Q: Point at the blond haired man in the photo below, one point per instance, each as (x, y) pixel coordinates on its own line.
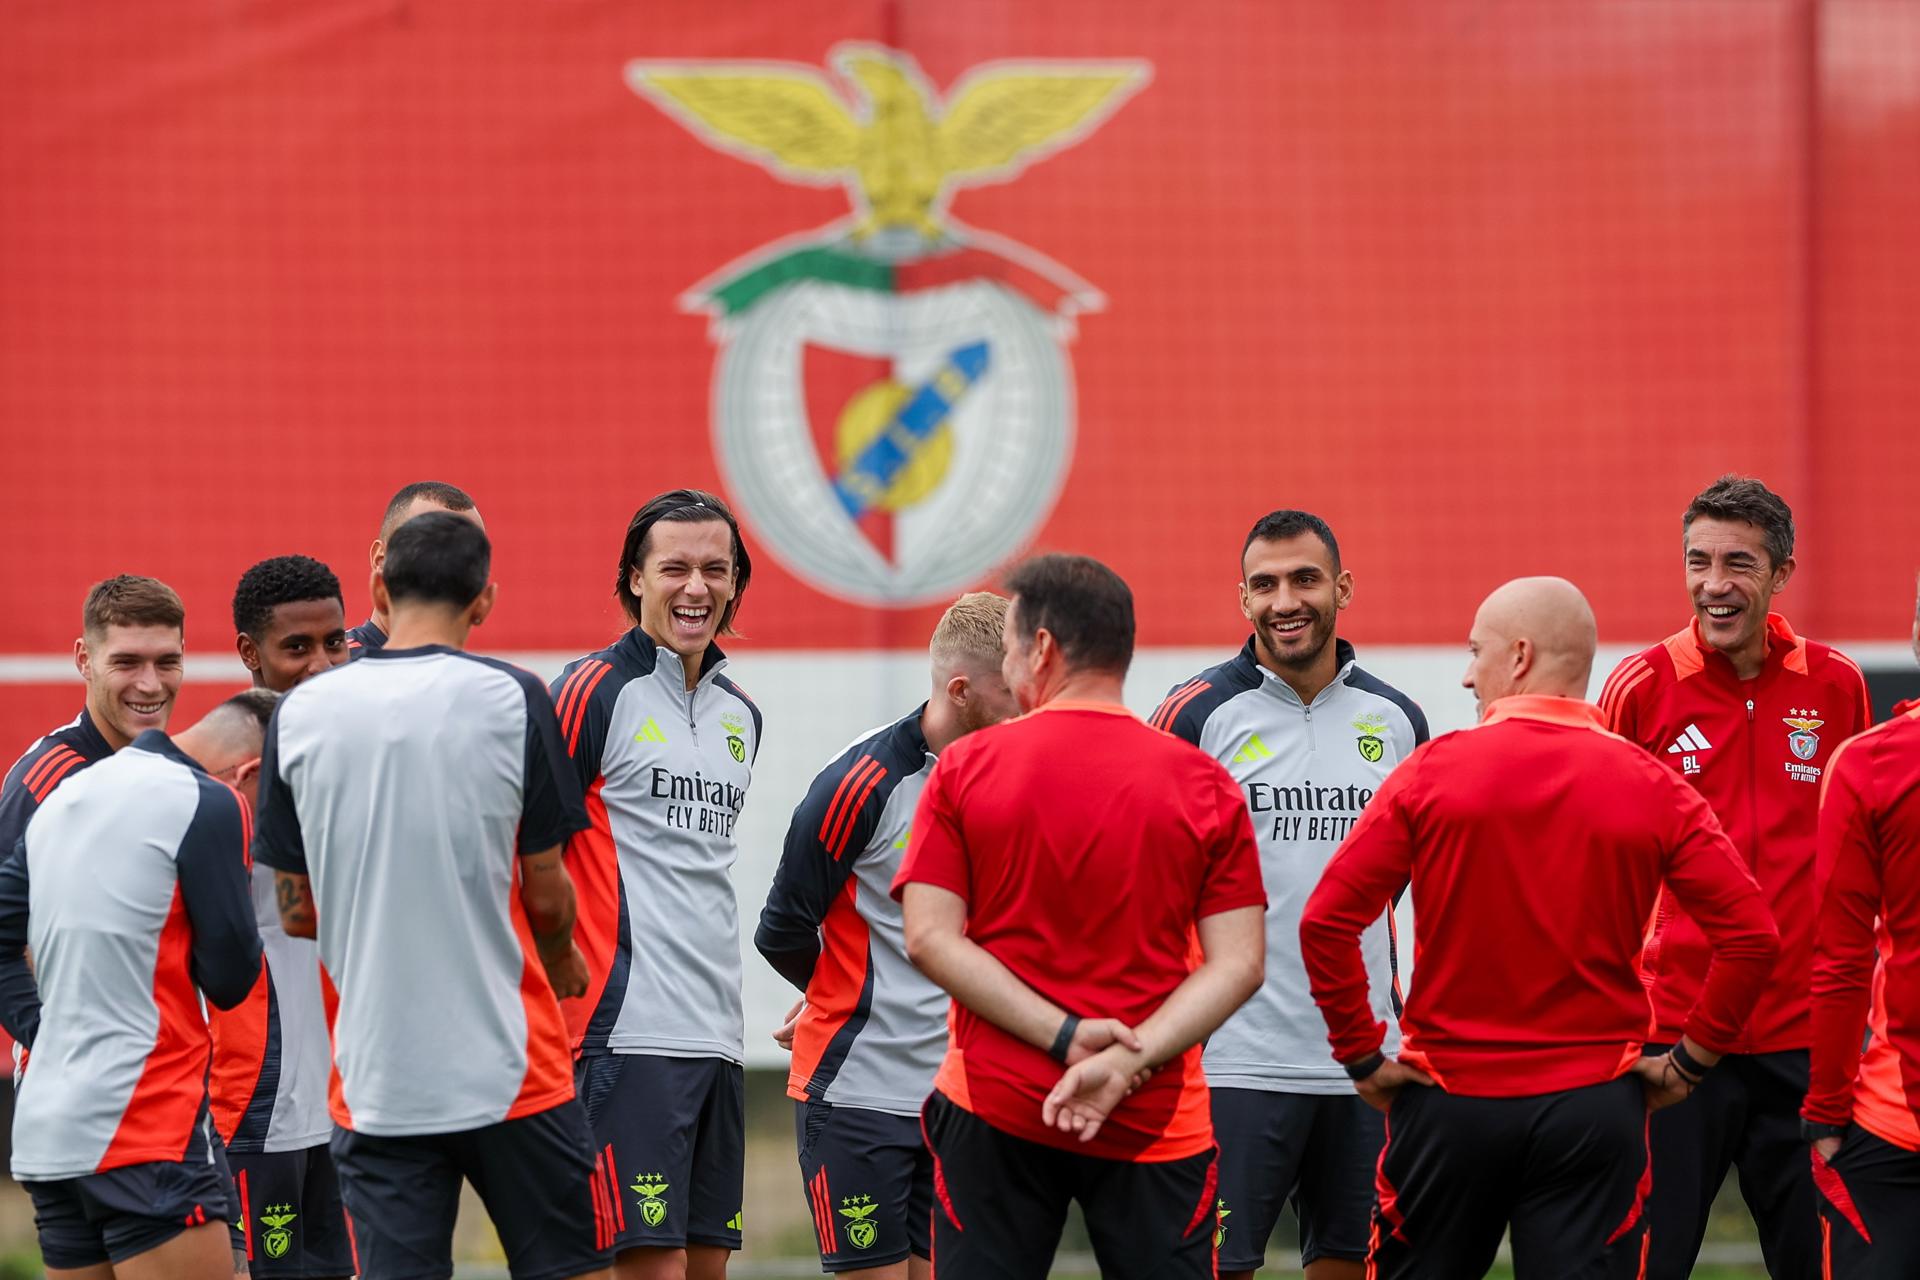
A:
(869, 1036)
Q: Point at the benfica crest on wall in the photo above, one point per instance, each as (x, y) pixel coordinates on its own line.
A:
(892, 402)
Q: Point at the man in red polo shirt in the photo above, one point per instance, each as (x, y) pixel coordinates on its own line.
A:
(1748, 712)
(1536, 844)
(1061, 866)
(1863, 1112)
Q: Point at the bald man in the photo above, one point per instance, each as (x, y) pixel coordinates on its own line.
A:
(1535, 845)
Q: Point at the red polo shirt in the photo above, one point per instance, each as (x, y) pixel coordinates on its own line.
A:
(1868, 880)
(1535, 844)
(1087, 846)
(1756, 749)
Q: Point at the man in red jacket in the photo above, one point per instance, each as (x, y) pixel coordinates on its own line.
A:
(1536, 845)
(1748, 712)
(1863, 1111)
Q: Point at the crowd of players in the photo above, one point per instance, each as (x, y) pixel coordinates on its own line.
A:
(282, 980)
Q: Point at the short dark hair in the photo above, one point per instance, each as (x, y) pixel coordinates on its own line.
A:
(255, 703)
(679, 506)
(1085, 606)
(1278, 526)
(438, 558)
(449, 496)
(280, 580)
(1736, 497)
(127, 600)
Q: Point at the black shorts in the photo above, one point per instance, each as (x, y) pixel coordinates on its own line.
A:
(671, 1137)
(869, 1182)
(295, 1221)
(1001, 1202)
(1566, 1171)
(1319, 1149)
(1867, 1197)
(534, 1174)
(1745, 1115)
(122, 1213)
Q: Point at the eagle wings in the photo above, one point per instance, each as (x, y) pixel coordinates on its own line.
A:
(904, 151)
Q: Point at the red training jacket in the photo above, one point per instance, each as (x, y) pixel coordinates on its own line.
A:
(1869, 866)
(1756, 749)
(1536, 844)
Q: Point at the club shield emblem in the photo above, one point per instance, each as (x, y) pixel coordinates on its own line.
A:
(861, 1232)
(652, 1190)
(1803, 741)
(277, 1239)
(1372, 741)
(893, 405)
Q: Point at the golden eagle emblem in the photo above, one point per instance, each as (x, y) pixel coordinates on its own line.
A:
(900, 148)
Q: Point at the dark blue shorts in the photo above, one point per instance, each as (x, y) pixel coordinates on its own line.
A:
(869, 1183)
(294, 1219)
(1317, 1150)
(534, 1174)
(122, 1213)
(670, 1135)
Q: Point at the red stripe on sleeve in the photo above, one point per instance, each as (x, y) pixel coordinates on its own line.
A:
(848, 783)
(565, 700)
(845, 832)
(31, 780)
(578, 715)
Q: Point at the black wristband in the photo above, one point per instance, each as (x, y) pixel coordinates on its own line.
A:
(1358, 1071)
(1064, 1041)
(1813, 1130)
(1691, 1069)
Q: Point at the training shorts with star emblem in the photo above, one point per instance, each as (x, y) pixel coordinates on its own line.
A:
(670, 1139)
(869, 1184)
(294, 1219)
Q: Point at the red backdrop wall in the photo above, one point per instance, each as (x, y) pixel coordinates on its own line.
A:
(1494, 286)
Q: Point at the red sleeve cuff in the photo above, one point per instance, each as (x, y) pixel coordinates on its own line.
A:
(926, 875)
(1828, 1110)
(1253, 898)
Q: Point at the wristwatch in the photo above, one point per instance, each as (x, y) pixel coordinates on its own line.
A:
(1813, 1131)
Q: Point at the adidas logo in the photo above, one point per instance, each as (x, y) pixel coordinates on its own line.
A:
(651, 732)
(1254, 750)
(1689, 741)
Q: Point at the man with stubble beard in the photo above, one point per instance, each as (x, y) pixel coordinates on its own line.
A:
(1309, 737)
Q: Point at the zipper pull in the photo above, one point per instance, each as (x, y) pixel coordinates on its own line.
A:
(1749, 710)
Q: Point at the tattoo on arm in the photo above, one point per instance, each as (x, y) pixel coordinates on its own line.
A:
(294, 899)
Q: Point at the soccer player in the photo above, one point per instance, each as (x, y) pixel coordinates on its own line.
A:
(110, 1133)
(1861, 1113)
(289, 621)
(129, 654)
(1748, 712)
(1062, 868)
(664, 745)
(415, 499)
(873, 1028)
(1536, 844)
(1309, 737)
(271, 1056)
(413, 806)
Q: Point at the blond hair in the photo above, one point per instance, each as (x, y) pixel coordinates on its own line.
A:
(969, 634)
